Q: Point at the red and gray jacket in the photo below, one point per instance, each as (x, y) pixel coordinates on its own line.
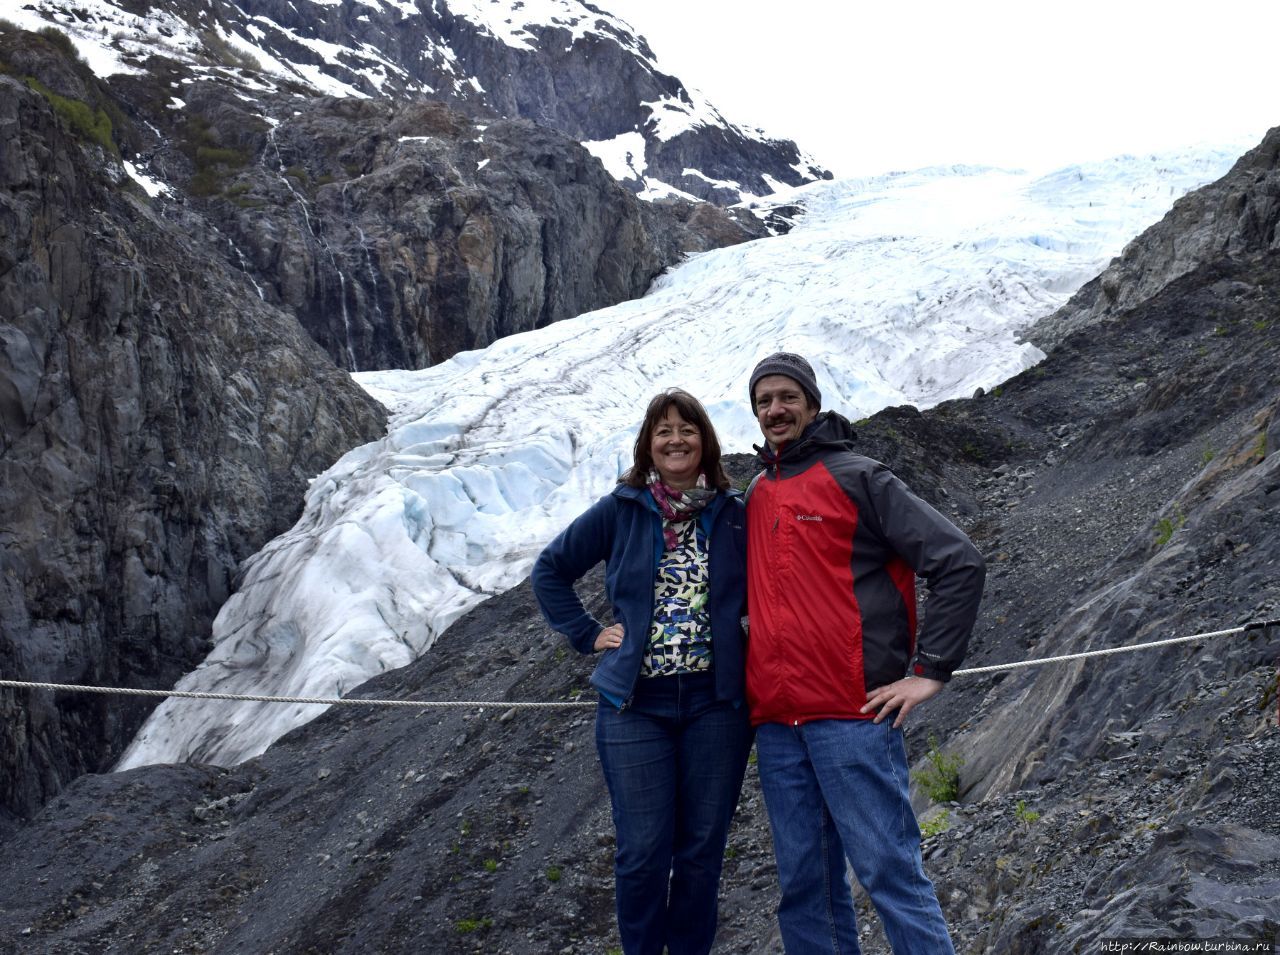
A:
(835, 542)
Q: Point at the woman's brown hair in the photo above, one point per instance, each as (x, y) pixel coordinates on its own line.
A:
(691, 410)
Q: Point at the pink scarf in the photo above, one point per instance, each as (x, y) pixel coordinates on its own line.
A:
(678, 506)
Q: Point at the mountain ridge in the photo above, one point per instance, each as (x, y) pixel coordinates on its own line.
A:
(486, 60)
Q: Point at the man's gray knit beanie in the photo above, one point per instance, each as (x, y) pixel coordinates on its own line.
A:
(791, 365)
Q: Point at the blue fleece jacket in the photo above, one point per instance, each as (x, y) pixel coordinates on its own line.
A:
(624, 529)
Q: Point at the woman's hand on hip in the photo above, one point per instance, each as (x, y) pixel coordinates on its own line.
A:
(610, 638)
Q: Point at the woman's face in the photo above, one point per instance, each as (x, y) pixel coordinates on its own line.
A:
(676, 446)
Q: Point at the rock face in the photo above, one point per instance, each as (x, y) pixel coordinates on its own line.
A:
(1124, 795)
(567, 66)
(158, 424)
(402, 234)
(1235, 216)
(1127, 489)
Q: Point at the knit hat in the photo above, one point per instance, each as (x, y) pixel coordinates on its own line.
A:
(794, 367)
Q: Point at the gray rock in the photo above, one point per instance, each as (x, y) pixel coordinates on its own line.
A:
(158, 424)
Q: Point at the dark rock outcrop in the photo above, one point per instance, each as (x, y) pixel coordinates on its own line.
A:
(1134, 499)
(158, 424)
(402, 234)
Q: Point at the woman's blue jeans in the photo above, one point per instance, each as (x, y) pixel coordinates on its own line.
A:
(673, 760)
(837, 789)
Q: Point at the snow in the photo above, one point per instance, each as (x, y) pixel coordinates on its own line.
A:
(905, 288)
(671, 116)
(94, 26)
(657, 189)
(729, 184)
(622, 156)
(507, 20)
(151, 186)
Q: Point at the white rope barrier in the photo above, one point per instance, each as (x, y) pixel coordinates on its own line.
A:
(319, 701)
(507, 704)
(1259, 625)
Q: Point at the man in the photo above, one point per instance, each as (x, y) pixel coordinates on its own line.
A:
(835, 542)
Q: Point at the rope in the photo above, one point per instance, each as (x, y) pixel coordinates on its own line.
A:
(328, 701)
(1256, 625)
(506, 704)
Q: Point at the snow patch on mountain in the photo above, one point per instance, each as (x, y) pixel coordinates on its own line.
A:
(508, 22)
(622, 156)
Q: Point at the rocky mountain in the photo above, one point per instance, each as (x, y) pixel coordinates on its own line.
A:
(193, 248)
(158, 422)
(565, 65)
(1126, 489)
(409, 218)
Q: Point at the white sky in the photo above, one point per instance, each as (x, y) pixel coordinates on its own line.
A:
(874, 87)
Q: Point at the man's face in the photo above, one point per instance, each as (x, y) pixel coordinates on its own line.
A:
(782, 409)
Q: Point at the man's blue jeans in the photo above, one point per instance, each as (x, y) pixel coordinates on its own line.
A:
(674, 761)
(837, 789)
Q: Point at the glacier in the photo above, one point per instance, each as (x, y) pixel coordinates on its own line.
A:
(906, 288)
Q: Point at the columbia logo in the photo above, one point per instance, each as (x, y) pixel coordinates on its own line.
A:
(809, 517)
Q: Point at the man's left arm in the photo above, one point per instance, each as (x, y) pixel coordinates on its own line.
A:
(944, 556)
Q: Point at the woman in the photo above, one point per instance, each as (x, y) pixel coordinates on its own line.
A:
(672, 728)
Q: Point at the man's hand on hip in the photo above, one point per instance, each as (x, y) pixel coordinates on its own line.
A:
(902, 696)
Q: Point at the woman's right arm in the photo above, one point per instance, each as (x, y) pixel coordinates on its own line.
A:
(575, 550)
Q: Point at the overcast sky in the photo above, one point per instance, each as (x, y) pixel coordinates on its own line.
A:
(869, 88)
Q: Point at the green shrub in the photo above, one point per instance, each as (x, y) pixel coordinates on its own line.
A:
(940, 780)
(553, 873)
(60, 40)
(936, 825)
(1167, 525)
(213, 161)
(91, 124)
(223, 52)
(1025, 816)
(467, 926)
(218, 156)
